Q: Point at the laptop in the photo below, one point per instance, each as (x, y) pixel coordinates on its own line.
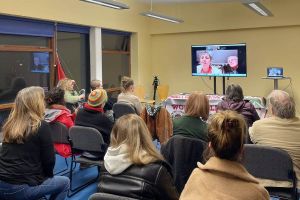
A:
(275, 72)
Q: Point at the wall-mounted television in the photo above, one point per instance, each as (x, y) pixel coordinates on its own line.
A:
(40, 62)
(219, 60)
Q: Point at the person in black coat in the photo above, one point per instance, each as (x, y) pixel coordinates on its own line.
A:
(92, 114)
(133, 167)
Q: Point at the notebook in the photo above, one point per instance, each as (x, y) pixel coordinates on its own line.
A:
(275, 72)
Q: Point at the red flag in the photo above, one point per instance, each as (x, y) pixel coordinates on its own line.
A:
(60, 70)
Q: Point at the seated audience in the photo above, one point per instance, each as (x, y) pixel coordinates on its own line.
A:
(27, 155)
(234, 100)
(72, 98)
(281, 129)
(96, 84)
(57, 112)
(223, 177)
(127, 95)
(92, 114)
(193, 123)
(133, 167)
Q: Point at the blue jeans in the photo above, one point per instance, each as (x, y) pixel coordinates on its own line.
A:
(57, 187)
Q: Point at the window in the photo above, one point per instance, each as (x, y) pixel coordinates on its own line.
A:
(73, 50)
(24, 61)
(115, 58)
(26, 55)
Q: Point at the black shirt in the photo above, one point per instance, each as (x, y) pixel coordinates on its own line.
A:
(31, 162)
(92, 118)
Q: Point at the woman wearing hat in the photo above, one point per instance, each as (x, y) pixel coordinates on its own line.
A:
(92, 114)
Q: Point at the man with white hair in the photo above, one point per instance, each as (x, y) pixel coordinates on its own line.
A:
(281, 129)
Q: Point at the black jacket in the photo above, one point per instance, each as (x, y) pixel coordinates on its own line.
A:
(92, 118)
(31, 162)
(148, 182)
(183, 153)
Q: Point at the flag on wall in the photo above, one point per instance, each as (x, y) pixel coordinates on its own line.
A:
(60, 70)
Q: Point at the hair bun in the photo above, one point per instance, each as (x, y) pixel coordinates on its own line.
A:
(230, 124)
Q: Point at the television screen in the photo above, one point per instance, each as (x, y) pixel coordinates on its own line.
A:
(40, 62)
(219, 60)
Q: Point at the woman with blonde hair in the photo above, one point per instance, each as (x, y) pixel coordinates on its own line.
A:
(223, 177)
(134, 168)
(71, 95)
(27, 155)
(193, 123)
(127, 96)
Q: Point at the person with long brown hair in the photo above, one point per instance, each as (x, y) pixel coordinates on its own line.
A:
(222, 176)
(132, 162)
(27, 155)
(193, 122)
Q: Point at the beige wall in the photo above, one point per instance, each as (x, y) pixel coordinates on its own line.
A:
(271, 41)
(78, 12)
(164, 49)
(265, 47)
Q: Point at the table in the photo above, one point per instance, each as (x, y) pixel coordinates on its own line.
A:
(175, 104)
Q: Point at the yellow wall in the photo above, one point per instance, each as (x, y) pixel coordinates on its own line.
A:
(271, 41)
(171, 58)
(78, 12)
(164, 49)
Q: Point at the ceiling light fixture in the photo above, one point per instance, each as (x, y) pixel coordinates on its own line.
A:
(109, 3)
(259, 8)
(159, 16)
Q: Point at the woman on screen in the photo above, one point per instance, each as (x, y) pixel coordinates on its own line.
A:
(205, 66)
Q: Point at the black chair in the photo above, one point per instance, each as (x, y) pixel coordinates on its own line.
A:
(273, 164)
(60, 134)
(122, 108)
(85, 139)
(183, 153)
(106, 196)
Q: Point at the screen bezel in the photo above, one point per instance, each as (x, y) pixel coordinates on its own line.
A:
(194, 59)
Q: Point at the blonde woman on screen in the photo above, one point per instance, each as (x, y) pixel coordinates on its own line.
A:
(205, 65)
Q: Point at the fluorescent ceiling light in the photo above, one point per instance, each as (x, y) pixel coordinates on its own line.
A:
(259, 8)
(109, 3)
(161, 17)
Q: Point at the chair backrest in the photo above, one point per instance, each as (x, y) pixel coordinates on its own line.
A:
(163, 91)
(86, 139)
(59, 133)
(268, 162)
(121, 108)
(183, 153)
(106, 196)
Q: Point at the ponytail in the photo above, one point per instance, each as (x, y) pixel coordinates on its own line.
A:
(226, 134)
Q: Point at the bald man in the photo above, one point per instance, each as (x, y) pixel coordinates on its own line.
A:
(281, 129)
